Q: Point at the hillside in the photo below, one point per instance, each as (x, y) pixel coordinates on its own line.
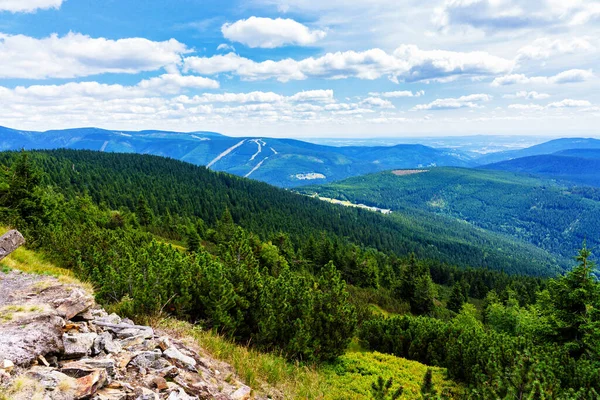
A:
(550, 147)
(530, 209)
(181, 189)
(575, 166)
(281, 162)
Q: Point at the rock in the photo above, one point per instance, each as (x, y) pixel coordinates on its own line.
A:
(168, 372)
(164, 343)
(145, 359)
(7, 365)
(147, 333)
(132, 341)
(9, 242)
(80, 368)
(78, 344)
(76, 303)
(105, 342)
(193, 385)
(49, 378)
(110, 394)
(242, 393)
(181, 395)
(76, 327)
(88, 385)
(22, 342)
(108, 319)
(177, 355)
(159, 383)
(145, 394)
(4, 377)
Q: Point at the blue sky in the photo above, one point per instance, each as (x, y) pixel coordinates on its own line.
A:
(303, 68)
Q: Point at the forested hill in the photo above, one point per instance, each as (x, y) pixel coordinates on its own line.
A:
(176, 189)
(550, 216)
(280, 162)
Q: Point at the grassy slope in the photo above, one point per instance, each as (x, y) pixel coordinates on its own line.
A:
(349, 378)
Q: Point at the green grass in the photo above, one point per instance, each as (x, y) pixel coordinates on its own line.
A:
(350, 377)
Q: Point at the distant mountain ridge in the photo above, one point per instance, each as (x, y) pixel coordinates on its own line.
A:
(551, 147)
(281, 162)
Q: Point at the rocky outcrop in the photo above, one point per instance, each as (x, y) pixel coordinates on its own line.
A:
(9, 242)
(61, 345)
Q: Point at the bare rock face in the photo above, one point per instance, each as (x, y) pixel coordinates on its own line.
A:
(23, 340)
(66, 347)
(9, 242)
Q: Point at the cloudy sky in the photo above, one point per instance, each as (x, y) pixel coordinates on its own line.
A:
(303, 68)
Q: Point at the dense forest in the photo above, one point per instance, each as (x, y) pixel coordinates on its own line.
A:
(305, 292)
(548, 215)
(176, 190)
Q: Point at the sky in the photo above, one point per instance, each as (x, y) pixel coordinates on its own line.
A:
(303, 68)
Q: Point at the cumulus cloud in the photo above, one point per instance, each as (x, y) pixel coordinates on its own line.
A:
(77, 55)
(407, 63)
(526, 107)
(494, 15)
(270, 33)
(470, 101)
(570, 103)
(544, 48)
(164, 84)
(318, 96)
(377, 102)
(570, 76)
(28, 6)
(527, 95)
(225, 47)
(399, 93)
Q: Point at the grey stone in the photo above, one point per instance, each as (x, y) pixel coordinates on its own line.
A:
(78, 344)
(177, 355)
(145, 358)
(9, 242)
(23, 341)
(242, 393)
(105, 342)
(83, 367)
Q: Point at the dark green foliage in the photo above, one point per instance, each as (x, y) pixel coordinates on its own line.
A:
(548, 215)
(544, 350)
(427, 388)
(381, 390)
(179, 193)
(457, 298)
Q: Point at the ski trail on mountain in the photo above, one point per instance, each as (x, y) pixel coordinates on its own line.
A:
(104, 146)
(258, 143)
(274, 151)
(223, 154)
(256, 168)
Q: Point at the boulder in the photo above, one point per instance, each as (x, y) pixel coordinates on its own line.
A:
(110, 394)
(132, 341)
(178, 356)
(88, 385)
(145, 359)
(105, 342)
(9, 242)
(7, 365)
(181, 395)
(49, 378)
(77, 302)
(83, 367)
(242, 393)
(23, 341)
(78, 344)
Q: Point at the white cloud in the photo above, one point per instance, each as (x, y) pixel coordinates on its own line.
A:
(407, 63)
(527, 95)
(270, 33)
(544, 48)
(318, 96)
(570, 76)
(570, 103)
(496, 15)
(399, 93)
(28, 6)
(526, 107)
(377, 102)
(470, 101)
(77, 55)
(164, 84)
(225, 47)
